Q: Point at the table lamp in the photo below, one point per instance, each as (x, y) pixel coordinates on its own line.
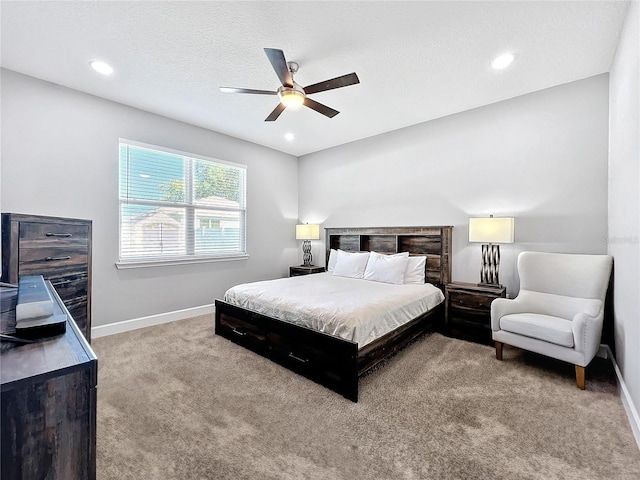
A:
(490, 231)
(307, 232)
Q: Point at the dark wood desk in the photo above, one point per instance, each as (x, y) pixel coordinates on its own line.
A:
(48, 405)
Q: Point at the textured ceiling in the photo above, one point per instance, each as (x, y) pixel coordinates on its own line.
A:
(416, 60)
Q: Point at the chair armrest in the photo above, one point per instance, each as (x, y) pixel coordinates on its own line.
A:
(505, 306)
(587, 332)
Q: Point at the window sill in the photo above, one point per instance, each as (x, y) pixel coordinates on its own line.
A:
(127, 264)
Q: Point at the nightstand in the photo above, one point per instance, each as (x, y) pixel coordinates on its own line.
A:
(301, 270)
(468, 309)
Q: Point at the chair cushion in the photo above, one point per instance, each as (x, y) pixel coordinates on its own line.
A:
(542, 327)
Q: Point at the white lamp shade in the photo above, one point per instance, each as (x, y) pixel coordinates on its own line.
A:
(491, 230)
(307, 232)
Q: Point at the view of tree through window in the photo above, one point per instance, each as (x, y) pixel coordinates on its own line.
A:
(209, 180)
(175, 205)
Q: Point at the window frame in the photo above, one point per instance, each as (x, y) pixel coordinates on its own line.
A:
(190, 205)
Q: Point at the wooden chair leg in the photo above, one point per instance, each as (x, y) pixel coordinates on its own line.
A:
(580, 377)
(499, 350)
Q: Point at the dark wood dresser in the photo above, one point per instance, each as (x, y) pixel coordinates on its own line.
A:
(59, 249)
(48, 404)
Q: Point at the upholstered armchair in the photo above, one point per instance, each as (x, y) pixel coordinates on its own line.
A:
(559, 310)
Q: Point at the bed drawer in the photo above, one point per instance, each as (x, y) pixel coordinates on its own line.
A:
(297, 351)
(314, 354)
(241, 329)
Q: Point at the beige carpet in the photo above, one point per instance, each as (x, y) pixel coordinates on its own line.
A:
(177, 402)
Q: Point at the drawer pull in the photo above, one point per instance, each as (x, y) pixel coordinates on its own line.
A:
(49, 234)
(52, 259)
(238, 332)
(302, 360)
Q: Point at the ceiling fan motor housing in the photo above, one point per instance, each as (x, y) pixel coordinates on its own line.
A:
(291, 96)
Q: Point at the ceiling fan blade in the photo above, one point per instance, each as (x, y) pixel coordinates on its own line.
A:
(273, 116)
(343, 81)
(279, 64)
(246, 90)
(320, 108)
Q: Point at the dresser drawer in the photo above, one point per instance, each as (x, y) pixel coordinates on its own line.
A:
(78, 309)
(39, 235)
(53, 261)
(71, 286)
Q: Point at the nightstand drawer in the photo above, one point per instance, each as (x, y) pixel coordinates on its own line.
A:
(466, 300)
(469, 317)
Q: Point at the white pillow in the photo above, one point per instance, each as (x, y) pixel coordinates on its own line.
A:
(386, 268)
(333, 256)
(350, 264)
(415, 270)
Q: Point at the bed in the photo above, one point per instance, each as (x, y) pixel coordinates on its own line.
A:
(353, 336)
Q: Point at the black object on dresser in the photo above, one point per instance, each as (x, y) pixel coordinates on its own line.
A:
(468, 309)
(302, 270)
(48, 403)
(59, 249)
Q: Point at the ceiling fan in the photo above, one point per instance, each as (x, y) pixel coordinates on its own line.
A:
(290, 93)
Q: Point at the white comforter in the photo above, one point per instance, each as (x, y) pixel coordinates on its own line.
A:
(353, 309)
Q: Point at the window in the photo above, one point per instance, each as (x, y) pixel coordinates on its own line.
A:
(179, 207)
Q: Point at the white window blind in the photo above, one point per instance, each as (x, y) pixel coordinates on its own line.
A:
(179, 206)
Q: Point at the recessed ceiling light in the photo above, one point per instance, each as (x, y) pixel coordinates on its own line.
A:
(289, 136)
(101, 67)
(502, 61)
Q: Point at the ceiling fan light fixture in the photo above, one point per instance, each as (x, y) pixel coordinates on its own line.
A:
(291, 97)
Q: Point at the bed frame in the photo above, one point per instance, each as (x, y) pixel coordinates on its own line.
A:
(332, 361)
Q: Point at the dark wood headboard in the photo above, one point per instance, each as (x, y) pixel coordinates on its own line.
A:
(433, 242)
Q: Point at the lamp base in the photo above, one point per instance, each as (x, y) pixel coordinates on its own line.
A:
(490, 265)
(307, 258)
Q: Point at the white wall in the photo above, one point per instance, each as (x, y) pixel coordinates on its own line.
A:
(60, 158)
(541, 158)
(624, 200)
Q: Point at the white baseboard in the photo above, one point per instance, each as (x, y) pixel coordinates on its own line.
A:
(627, 401)
(135, 323)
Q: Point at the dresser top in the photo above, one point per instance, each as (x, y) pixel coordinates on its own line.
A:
(49, 357)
